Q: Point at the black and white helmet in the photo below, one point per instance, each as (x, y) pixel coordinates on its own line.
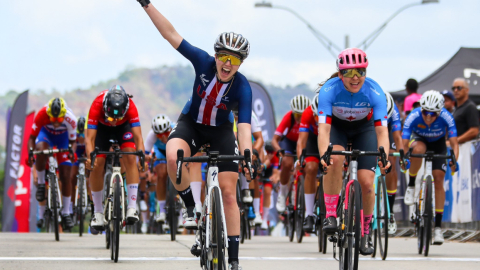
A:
(390, 106)
(432, 101)
(299, 103)
(233, 42)
(161, 123)
(315, 105)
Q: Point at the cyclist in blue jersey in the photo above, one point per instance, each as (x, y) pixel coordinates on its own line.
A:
(207, 118)
(425, 129)
(395, 137)
(157, 139)
(351, 107)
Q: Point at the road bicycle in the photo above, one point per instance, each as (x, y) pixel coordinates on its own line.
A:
(114, 209)
(245, 225)
(80, 208)
(211, 237)
(54, 197)
(350, 230)
(425, 201)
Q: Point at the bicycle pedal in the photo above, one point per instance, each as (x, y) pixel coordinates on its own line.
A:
(333, 239)
(195, 251)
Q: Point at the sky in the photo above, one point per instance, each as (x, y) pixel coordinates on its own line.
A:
(65, 45)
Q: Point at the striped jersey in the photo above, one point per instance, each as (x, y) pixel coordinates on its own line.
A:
(438, 129)
(69, 124)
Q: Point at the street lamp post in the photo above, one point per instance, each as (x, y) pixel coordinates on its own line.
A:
(327, 43)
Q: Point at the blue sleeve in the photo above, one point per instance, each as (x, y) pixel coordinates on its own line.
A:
(244, 102)
(396, 121)
(409, 124)
(449, 122)
(326, 97)
(195, 55)
(379, 102)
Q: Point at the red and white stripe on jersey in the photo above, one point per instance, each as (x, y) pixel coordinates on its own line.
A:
(382, 123)
(325, 119)
(43, 120)
(207, 112)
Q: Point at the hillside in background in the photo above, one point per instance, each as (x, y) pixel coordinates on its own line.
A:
(160, 90)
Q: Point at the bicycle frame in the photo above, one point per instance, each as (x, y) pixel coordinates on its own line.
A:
(107, 211)
(375, 183)
(81, 172)
(52, 168)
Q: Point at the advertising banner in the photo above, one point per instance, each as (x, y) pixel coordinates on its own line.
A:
(476, 183)
(263, 107)
(12, 163)
(22, 191)
(462, 186)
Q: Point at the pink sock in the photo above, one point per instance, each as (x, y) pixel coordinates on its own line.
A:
(331, 205)
(366, 224)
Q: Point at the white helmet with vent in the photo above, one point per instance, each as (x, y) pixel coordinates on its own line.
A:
(299, 103)
(390, 104)
(161, 123)
(432, 101)
(315, 105)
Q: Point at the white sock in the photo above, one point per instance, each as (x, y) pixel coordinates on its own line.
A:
(66, 205)
(41, 211)
(265, 212)
(283, 189)
(161, 206)
(196, 192)
(132, 191)
(244, 182)
(97, 197)
(256, 205)
(71, 207)
(144, 217)
(41, 177)
(309, 202)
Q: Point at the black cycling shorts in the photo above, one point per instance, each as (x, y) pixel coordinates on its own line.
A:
(221, 138)
(312, 148)
(363, 138)
(122, 134)
(439, 147)
(288, 145)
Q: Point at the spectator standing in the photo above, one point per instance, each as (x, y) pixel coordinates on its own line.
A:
(466, 115)
(411, 87)
(449, 101)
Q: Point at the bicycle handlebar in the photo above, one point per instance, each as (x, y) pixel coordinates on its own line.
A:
(431, 155)
(49, 151)
(117, 152)
(355, 153)
(212, 156)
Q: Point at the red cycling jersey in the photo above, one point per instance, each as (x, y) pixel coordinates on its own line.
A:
(43, 120)
(97, 114)
(287, 128)
(308, 123)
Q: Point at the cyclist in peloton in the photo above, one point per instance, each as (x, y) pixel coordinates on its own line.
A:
(307, 138)
(55, 125)
(351, 107)
(157, 139)
(80, 152)
(113, 115)
(425, 129)
(271, 176)
(395, 137)
(207, 118)
(285, 137)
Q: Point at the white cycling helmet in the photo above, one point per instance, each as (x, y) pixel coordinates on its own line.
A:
(161, 123)
(390, 104)
(233, 42)
(299, 103)
(315, 105)
(432, 101)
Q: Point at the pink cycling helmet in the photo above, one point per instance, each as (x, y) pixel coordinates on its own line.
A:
(352, 58)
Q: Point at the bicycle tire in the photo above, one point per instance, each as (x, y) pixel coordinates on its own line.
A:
(172, 212)
(347, 245)
(358, 222)
(418, 229)
(48, 216)
(290, 217)
(55, 206)
(382, 217)
(428, 215)
(106, 205)
(117, 218)
(218, 249)
(80, 208)
(300, 211)
(321, 213)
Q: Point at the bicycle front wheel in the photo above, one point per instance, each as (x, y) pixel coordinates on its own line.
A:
(290, 217)
(117, 218)
(172, 212)
(428, 215)
(382, 217)
(216, 232)
(300, 211)
(81, 204)
(55, 203)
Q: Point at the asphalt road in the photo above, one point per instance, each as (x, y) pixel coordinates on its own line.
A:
(40, 251)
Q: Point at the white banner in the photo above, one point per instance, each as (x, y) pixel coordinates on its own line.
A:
(462, 186)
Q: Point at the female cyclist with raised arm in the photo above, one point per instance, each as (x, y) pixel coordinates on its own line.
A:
(351, 107)
(207, 118)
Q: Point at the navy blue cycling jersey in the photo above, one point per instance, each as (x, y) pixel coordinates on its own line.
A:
(415, 124)
(352, 109)
(394, 121)
(212, 100)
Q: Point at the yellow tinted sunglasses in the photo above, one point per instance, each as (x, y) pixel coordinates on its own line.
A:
(351, 72)
(228, 57)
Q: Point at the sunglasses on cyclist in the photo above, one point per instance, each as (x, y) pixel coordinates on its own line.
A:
(351, 72)
(228, 57)
(428, 113)
(160, 135)
(57, 119)
(454, 88)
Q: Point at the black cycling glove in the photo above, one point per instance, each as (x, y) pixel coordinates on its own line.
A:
(144, 3)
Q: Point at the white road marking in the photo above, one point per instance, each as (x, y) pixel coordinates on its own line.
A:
(241, 258)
